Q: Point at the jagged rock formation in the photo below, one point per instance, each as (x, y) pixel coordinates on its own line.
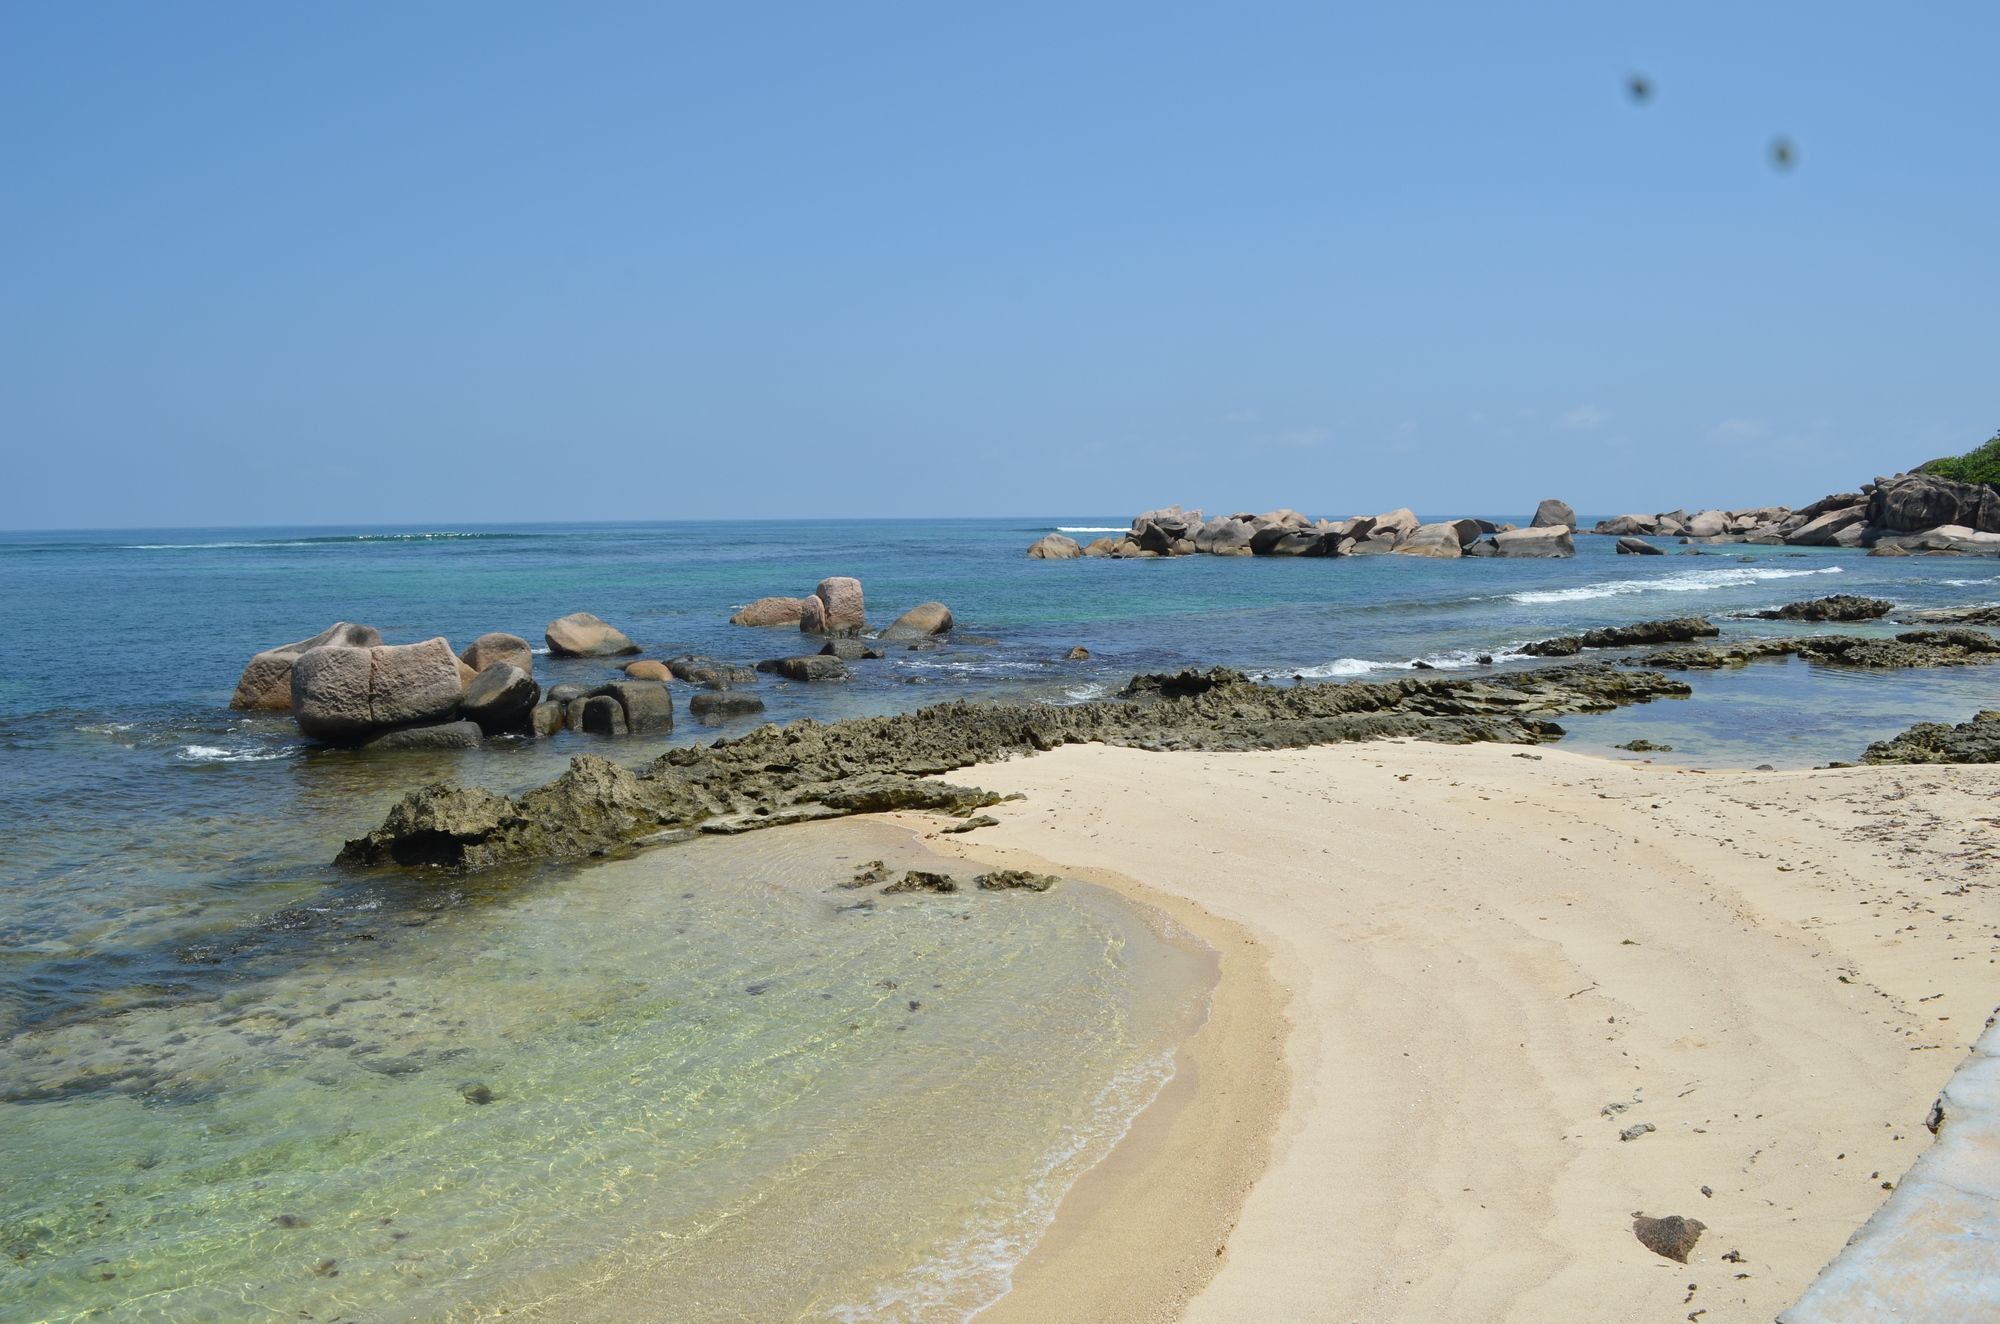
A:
(1976, 741)
(1834, 607)
(1680, 630)
(807, 769)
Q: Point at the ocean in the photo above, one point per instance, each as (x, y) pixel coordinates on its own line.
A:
(236, 1083)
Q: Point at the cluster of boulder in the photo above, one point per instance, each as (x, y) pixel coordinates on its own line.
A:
(1177, 532)
(838, 609)
(837, 613)
(1895, 516)
(344, 686)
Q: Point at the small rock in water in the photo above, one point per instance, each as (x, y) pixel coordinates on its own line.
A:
(1635, 1131)
(478, 1092)
(290, 1221)
(1643, 746)
(1015, 880)
(1672, 1236)
(1077, 654)
(919, 880)
(868, 875)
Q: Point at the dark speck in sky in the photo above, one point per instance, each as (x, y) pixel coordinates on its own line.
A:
(1639, 88)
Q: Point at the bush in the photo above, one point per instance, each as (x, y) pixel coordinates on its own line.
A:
(1975, 466)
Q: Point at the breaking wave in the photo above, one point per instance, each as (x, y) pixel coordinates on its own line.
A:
(1692, 581)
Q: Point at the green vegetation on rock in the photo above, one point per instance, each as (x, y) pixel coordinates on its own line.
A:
(1980, 465)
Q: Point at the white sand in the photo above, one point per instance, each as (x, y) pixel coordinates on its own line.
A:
(1448, 962)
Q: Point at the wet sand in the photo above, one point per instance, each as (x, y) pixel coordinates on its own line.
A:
(1454, 976)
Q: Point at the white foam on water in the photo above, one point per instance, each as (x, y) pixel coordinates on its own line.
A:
(106, 728)
(1692, 581)
(218, 754)
(1091, 528)
(1342, 668)
(1076, 694)
(1968, 583)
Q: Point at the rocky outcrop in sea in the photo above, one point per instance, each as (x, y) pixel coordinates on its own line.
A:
(809, 770)
(1898, 515)
(1173, 531)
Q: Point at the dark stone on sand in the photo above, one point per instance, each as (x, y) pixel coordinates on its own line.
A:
(867, 875)
(968, 824)
(1672, 1236)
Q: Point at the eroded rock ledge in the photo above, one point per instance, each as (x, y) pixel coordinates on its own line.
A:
(807, 769)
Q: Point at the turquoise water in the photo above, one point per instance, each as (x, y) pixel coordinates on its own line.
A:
(178, 963)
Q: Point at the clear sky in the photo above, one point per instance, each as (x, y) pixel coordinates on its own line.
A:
(451, 262)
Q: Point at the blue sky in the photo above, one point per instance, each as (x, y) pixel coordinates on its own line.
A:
(433, 263)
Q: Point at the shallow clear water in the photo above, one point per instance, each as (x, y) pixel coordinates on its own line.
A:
(172, 935)
(721, 1087)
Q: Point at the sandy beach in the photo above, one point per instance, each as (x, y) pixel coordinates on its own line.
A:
(1454, 977)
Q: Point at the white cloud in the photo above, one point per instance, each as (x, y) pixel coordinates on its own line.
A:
(1585, 417)
(1739, 429)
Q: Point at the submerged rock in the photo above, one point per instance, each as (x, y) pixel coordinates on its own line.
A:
(1913, 648)
(851, 650)
(709, 673)
(1015, 880)
(920, 880)
(723, 705)
(439, 736)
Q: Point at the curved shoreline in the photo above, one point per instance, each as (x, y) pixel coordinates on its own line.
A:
(1501, 962)
(1143, 1231)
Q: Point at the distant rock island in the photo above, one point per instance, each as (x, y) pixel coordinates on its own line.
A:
(1177, 532)
(1923, 512)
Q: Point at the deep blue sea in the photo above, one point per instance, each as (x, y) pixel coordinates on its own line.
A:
(163, 858)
